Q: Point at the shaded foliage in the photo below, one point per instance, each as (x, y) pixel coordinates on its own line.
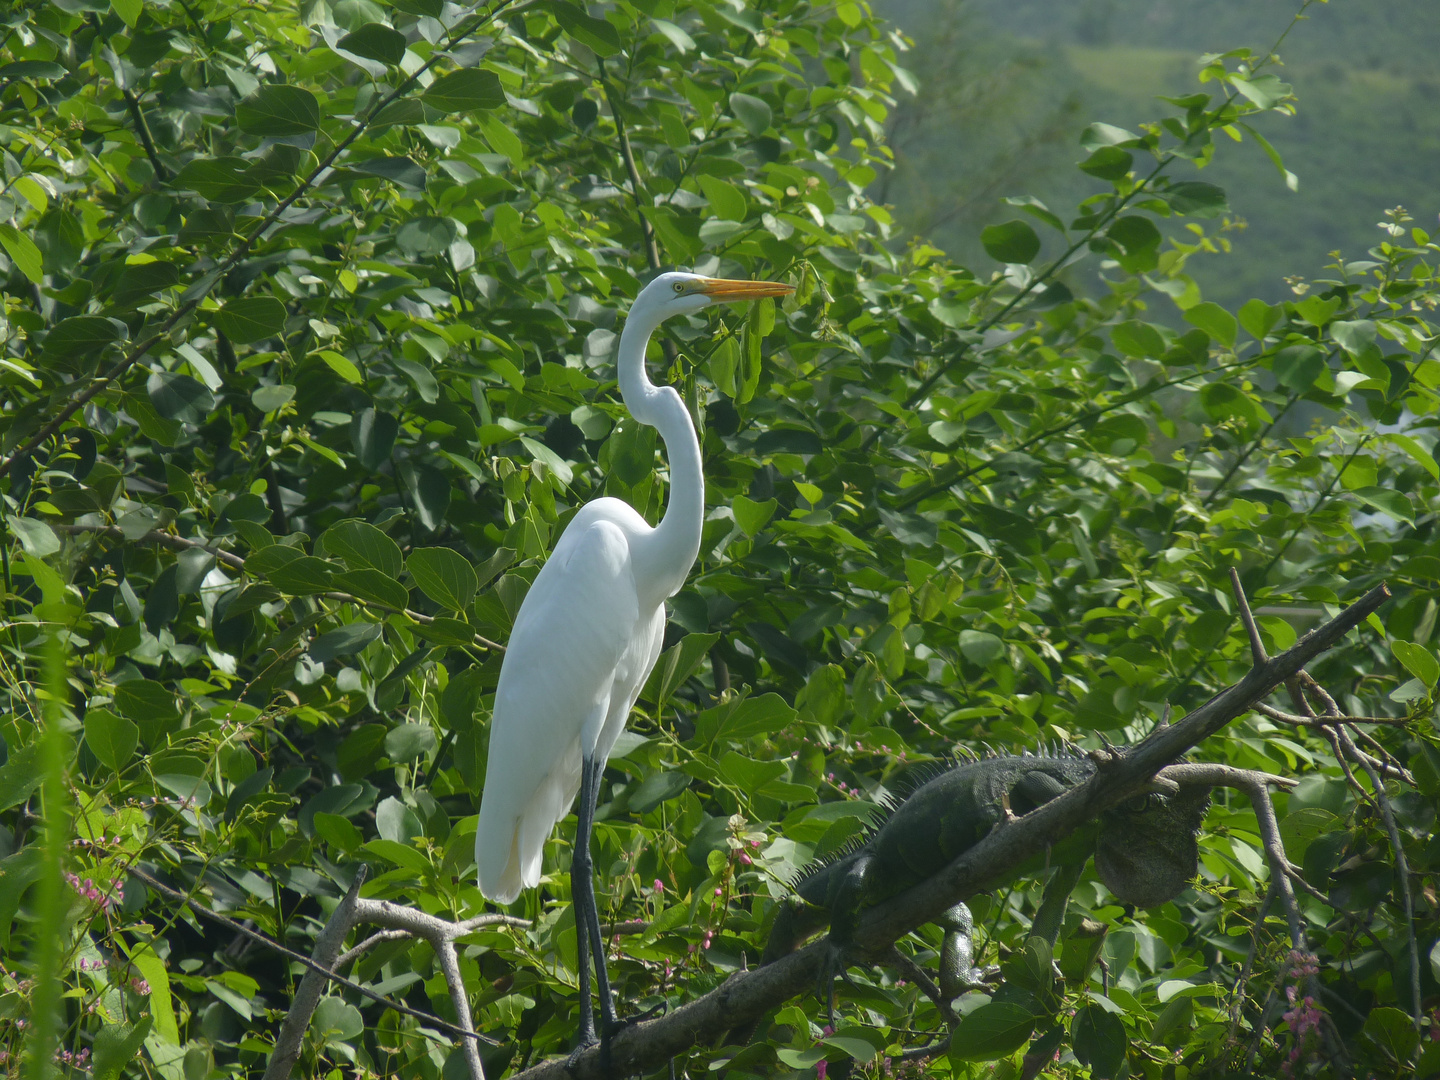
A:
(309, 315)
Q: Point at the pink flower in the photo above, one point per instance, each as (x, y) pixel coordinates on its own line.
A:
(820, 1067)
(659, 885)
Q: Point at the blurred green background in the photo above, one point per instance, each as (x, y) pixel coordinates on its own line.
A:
(1006, 86)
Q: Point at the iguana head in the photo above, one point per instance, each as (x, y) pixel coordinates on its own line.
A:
(1147, 852)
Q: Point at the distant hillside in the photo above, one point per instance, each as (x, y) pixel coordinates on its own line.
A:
(1009, 85)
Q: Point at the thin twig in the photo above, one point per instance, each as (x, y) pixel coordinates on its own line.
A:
(146, 139)
(921, 978)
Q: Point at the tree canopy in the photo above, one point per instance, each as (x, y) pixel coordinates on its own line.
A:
(309, 313)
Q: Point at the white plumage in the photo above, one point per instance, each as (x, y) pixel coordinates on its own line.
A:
(587, 636)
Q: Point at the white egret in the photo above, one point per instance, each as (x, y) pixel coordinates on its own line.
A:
(586, 638)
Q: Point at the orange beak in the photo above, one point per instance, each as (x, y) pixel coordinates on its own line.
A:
(727, 290)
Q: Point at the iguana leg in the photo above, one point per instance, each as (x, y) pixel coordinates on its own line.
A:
(846, 899)
(958, 972)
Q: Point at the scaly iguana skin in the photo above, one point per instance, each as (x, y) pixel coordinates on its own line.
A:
(1145, 855)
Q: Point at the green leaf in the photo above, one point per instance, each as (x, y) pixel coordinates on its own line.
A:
(372, 434)
(1099, 1040)
(752, 516)
(250, 319)
(20, 776)
(37, 538)
(111, 738)
(722, 364)
(1215, 321)
(22, 252)
(128, 10)
(676, 665)
(1012, 241)
(32, 69)
(1418, 660)
(179, 397)
(345, 641)
(751, 111)
(337, 1021)
(1389, 501)
(445, 576)
(725, 199)
(1297, 367)
(1108, 163)
(278, 110)
(1259, 318)
(145, 699)
(116, 1046)
(1138, 339)
(152, 970)
(304, 576)
(221, 180)
(980, 648)
(1197, 199)
(373, 586)
(994, 1030)
(430, 489)
(375, 41)
(342, 366)
(270, 399)
(465, 91)
(743, 718)
(596, 33)
(364, 546)
(81, 335)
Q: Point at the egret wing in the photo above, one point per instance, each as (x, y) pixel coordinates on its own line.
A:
(578, 621)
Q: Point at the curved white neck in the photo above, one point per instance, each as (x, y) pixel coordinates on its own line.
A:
(664, 558)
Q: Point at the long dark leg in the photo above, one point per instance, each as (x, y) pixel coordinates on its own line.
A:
(582, 896)
(608, 1018)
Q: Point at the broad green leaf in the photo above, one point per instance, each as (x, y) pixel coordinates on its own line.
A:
(128, 10)
(751, 111)
(364, 546)
(269, 399)
(375, 41)
(994, 1030)
(752, 516)
(1297, 367)
(1010, 242)
(373, 586)
(725, 199)
(445, 576)
(1215, 321)
(1099, 1040)
(1108, 163)
(22, 252)
(111, 738)
(37, 538)
(220, 180)
(179, 397)
(465, 91)
(1418, 660)
(20, 776)
(279, 110)
(249, 319)
(82, 335)
(152, 969)
(116, 1046)
(345, 641)
(597, 33)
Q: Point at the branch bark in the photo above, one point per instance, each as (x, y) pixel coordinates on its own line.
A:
(746, 997)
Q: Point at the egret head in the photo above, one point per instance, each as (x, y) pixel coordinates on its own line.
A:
(676, 292)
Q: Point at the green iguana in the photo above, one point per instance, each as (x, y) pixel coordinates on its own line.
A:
(1146, 854)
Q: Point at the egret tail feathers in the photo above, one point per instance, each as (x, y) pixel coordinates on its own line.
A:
(510, 846)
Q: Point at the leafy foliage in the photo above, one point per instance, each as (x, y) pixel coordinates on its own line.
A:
(308, 327)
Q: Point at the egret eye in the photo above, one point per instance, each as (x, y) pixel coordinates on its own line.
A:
(679, 286)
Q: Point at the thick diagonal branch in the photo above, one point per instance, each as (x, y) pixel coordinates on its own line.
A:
(747, 996)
